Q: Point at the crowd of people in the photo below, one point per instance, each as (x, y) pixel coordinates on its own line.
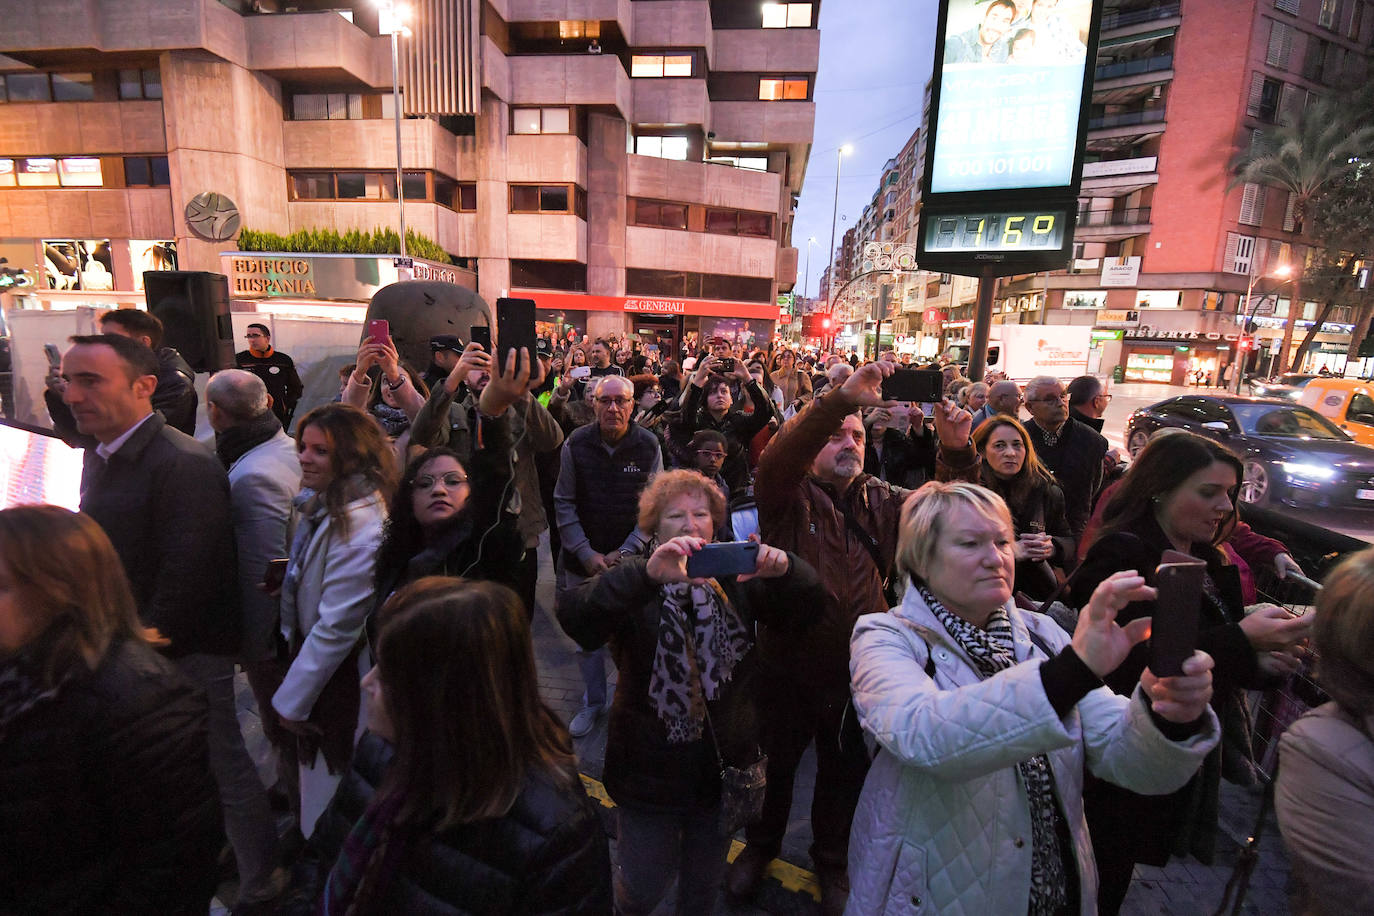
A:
(374, 575)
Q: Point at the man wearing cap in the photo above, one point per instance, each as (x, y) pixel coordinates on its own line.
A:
(444, 350)
(276, 369)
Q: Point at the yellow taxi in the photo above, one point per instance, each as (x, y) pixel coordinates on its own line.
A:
(1347, 402)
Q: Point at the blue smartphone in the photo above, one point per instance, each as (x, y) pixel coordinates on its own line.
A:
(728, 558)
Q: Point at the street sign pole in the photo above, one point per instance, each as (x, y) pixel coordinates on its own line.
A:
(982, 324)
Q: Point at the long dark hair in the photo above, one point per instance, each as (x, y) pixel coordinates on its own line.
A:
(402, 538)
(69, 584)
(457, 669)
(1032, 477)
(357, 448)
(1160, 468)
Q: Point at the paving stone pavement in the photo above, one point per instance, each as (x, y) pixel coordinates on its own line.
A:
(1183, 888)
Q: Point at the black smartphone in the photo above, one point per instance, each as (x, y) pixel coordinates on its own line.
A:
(544, 347)
(514, 330)
(922, 385)
(1174, 627)
(480, 334)
(728, 558)
(725, 365)
(275, 574)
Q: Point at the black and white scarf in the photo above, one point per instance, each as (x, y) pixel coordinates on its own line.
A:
(683, 680)
(991, 650)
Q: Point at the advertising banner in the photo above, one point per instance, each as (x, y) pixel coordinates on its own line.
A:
(1011, 90)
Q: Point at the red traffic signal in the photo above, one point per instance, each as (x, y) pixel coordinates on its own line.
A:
(825, 323)
(1245, 343)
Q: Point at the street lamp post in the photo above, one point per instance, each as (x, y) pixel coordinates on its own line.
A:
(834, 211)
(391, 19)
(1282, 272)
(806, 275)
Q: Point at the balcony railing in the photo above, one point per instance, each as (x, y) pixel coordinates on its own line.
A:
(1109, 167)
(1132, 216)
(1135, 67)
(1127, 119)
(1120, 18)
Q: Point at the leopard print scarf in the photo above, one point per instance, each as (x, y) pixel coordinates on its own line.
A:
(682, 680)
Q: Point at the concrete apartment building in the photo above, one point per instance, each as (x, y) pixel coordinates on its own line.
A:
(629, 165)
(1165, 251)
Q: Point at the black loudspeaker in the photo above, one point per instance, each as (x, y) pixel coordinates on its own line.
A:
(193, 306)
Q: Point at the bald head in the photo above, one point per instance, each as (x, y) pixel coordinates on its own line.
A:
(1005, 397)
(236, 397)
(838, 373)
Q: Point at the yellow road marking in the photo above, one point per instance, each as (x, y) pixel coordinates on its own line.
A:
(791, 877)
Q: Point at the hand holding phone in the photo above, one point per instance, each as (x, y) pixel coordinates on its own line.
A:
(379, 329)
(1174, 624)
(728, 558)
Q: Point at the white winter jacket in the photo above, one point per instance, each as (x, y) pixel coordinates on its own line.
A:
(943, 824)
(326, 597)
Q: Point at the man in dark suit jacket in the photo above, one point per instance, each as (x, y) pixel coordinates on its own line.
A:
(163, 500)
(1073, 451)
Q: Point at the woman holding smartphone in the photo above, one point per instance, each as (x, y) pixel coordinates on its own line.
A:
(685, 700)
(1180, 495)
(1002, 458)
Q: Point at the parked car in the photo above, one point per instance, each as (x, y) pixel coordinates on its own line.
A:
(1291, 453)
(1289, 385)
(1347, 402)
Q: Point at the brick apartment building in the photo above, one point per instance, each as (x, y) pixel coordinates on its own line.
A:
(630, 164)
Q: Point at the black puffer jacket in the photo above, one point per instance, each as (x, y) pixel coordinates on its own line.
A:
(547, 855)
(623, 605)
(107, 804)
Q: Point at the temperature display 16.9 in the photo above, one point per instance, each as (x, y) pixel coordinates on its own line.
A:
(1017, 230)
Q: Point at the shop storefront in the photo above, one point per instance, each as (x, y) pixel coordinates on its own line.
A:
(1176, 357)
(663, 323)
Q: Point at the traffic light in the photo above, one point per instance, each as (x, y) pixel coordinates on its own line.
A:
(825, 323)
(1245, 343)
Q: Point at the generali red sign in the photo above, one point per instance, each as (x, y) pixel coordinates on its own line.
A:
(650, 305)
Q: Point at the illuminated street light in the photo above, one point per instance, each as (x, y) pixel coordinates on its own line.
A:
(840, 153)
(1282, 272)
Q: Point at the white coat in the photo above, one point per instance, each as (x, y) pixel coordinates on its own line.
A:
(943, 824)
(328, 593)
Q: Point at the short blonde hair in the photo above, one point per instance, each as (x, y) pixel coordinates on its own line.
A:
(668, 486)
(923, 517)
(1343, 633)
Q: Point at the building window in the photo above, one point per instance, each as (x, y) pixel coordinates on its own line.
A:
(739, 222)
(146, 172)
(689, 285)
(548, 198)
(140, 84)
(330, 106)
(357, 185)
(46, 172)
(1326, 16)
(568, 275)
(655, 65)
(456, 195)
(784, 88)
(1288, 6)
(541, 121)
(662, 214)
(754, 163)
(662, 147)
(28, 87)
(1280, 45)
(787, 15)
(1263, 102)
(73, 87)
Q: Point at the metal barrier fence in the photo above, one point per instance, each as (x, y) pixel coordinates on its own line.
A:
(1272, 711)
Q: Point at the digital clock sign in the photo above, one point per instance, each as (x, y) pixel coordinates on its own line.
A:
(1023, 230)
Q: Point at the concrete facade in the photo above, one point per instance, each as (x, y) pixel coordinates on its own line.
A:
(270, 108)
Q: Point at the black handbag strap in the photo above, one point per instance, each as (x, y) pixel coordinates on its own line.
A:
(870, 544)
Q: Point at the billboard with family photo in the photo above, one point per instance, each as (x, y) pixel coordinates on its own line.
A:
(1010, 91)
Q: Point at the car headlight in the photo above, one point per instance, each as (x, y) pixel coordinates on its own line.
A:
(1310, 471)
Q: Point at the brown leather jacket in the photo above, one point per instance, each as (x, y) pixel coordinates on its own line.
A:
(798, 513)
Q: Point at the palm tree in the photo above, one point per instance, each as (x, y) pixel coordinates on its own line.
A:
(1304, 159)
